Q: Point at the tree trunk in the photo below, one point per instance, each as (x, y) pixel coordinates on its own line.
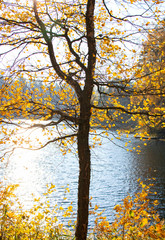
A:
(84, 127)
(84, 172)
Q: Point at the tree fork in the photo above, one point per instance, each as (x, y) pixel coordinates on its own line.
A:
(84, 127)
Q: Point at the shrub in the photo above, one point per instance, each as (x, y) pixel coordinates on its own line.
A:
(135, 218)
(40, 222)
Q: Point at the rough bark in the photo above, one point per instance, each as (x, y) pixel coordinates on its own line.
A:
(84, 172)
(84, 127)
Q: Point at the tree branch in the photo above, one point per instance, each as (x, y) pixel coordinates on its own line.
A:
(55, 65)
(122, 109)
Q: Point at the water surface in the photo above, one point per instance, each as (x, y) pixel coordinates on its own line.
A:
(114, 172)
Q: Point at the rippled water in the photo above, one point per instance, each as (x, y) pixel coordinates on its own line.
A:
(114, 172)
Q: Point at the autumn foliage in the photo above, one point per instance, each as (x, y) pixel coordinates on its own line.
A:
(135, 218)
(71, 66)
(151, 66)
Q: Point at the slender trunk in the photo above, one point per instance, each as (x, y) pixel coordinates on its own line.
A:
(84, 172)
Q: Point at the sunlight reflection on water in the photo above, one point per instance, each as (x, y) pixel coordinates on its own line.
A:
(25, 171)
(113, 176)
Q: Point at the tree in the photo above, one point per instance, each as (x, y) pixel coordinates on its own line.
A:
(152, 66)
(79, 50)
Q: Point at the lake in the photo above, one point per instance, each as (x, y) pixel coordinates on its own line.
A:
(114, 172)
